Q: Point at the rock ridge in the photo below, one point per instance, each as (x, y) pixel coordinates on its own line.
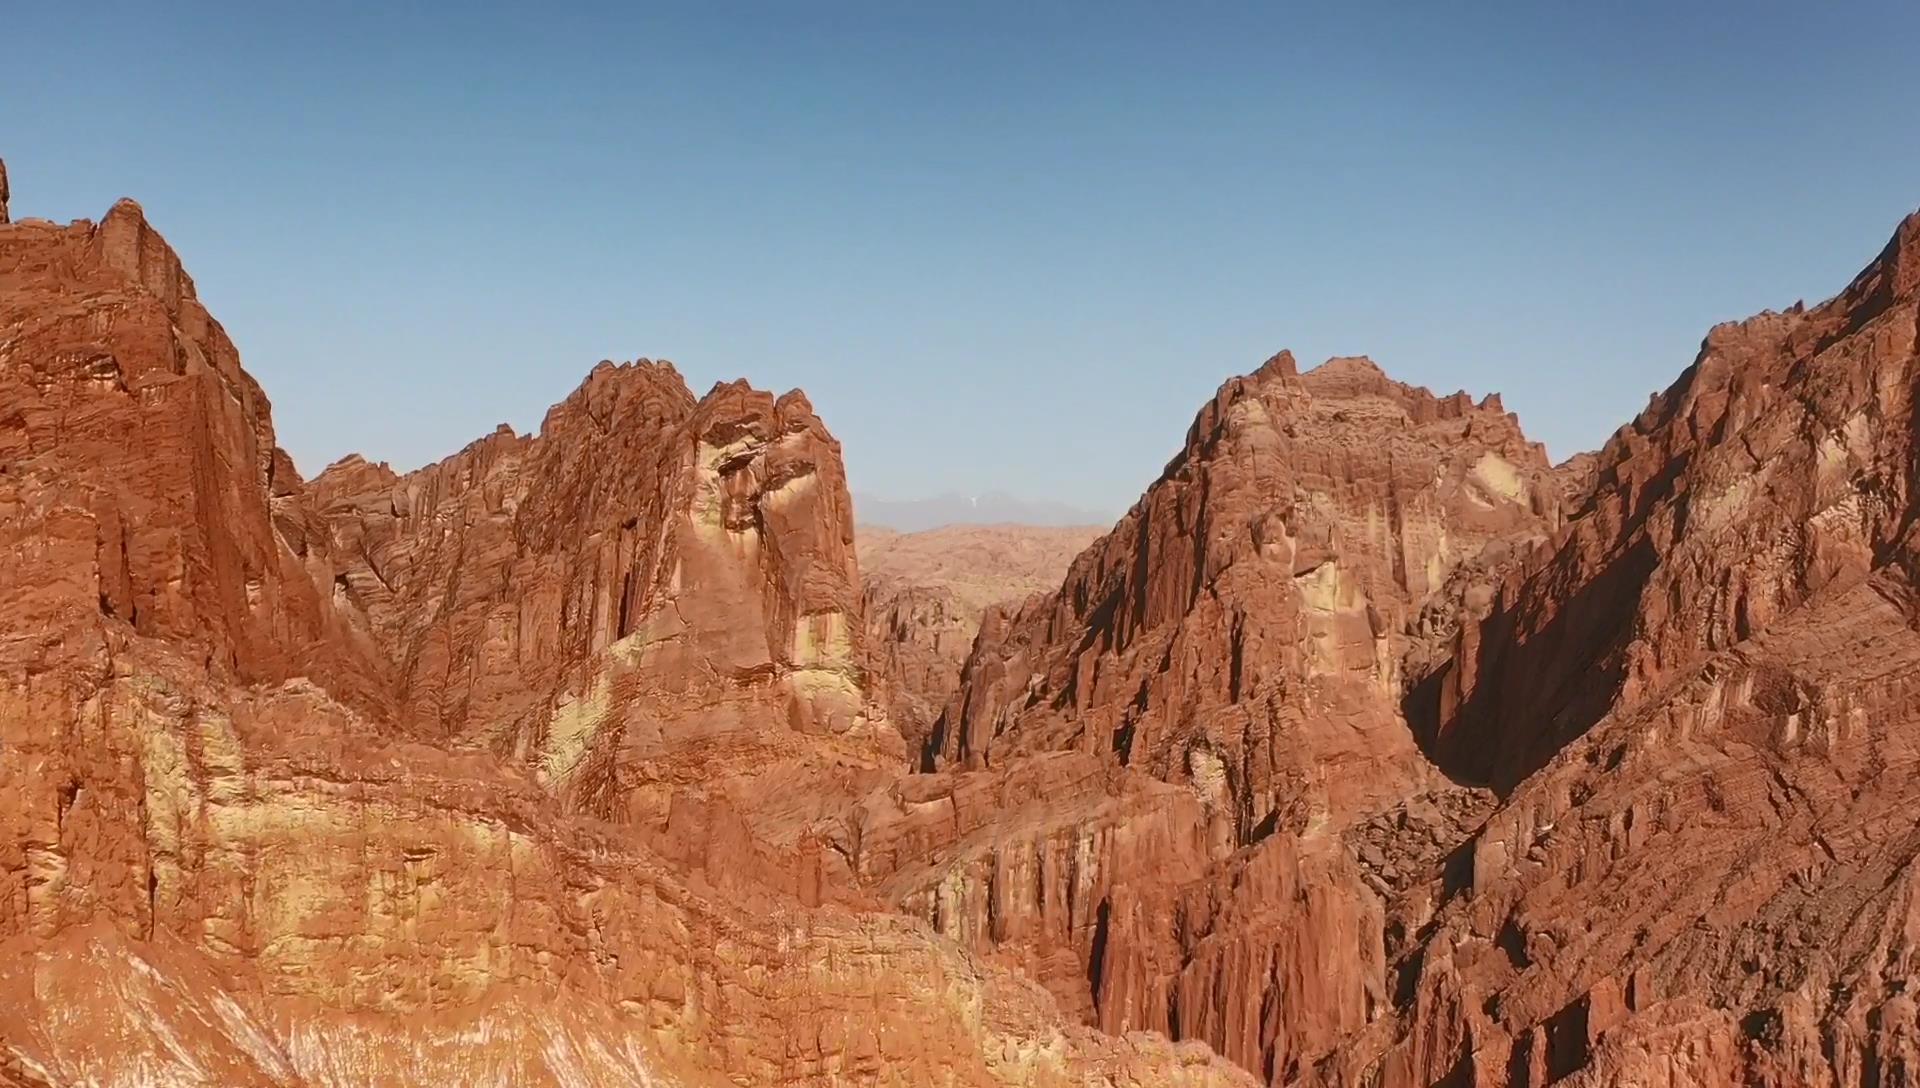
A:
(503, 770)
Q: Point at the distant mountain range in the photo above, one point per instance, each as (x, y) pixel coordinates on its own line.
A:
(993, 508)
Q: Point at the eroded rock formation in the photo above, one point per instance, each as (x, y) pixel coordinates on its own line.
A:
(495, 772)
(1368, 749)
(650, 587)
(1701, 708)
(1635, 809)
(1230, 657)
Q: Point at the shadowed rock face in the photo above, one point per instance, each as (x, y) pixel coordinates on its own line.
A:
(1702, 710)
(497, 772)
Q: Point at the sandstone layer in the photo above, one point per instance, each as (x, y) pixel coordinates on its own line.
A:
(497, 772)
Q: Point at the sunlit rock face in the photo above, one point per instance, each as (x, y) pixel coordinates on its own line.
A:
(502, 771)
(1149, 781)
(1368, 749)
(1278, 561)
(1494, 773)
(650, 588)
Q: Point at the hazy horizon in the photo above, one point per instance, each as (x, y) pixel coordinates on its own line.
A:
(1002, 250)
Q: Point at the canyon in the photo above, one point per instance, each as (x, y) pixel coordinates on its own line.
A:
(1368, 749)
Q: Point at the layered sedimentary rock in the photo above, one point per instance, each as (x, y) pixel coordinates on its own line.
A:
(1368, 748)
(927, 592)
(650, 588)
(1702, 710)
(453, 777)
(1678, 843)
(1231, 657)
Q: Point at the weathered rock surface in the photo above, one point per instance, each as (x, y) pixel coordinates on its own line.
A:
(1701, 709)
(1368, 749)
(1676, 705)
(926, 593)
(651, 588)
(499, 772)
(1231, 657)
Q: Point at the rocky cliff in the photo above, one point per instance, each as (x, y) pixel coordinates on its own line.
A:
(1367, 749)
(649, 588)
(497, 772)
(1590, 776)
(1700, 709)
(1225, 669)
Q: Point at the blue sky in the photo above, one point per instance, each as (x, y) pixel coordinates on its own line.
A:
(1002, 247)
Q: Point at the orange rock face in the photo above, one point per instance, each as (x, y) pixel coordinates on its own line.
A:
(1700, 709)
(1368, 749)
(650, 588)
(1230, 659)
(498, 772)
(1633, 809)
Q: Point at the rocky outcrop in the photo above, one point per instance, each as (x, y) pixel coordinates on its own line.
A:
(1284, 550)
(652, 602)
(1232, 652)
(1674, 702)
(141, 482)
(1701, 708)
(463, 776)
(1775, 466)
(926, 593)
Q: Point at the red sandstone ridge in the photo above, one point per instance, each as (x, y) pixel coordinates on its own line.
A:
(650, 588)
(1701, 710)
(1149, 778)
(1368, 749)
(459, 777)
(1678, 684)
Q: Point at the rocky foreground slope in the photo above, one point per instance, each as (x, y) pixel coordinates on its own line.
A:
(1367, 750)
(502, 771)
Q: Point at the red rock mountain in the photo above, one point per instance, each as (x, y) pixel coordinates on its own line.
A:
(1588, 776)
(1367, 750)
(1701, 710)
(1148, 779)
(497, 772)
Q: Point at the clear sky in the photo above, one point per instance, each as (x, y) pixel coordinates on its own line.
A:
(1003, 247)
